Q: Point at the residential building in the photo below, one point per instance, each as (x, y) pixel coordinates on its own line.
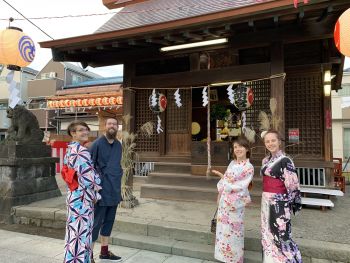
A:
(341, 119)
(53, 77)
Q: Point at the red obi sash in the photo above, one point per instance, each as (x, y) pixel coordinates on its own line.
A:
(273, 185)
(69, 175)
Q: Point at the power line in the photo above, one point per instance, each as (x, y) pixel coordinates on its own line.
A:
(66, 16)
(28, 20)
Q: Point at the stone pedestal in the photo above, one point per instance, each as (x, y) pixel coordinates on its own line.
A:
(27, 174)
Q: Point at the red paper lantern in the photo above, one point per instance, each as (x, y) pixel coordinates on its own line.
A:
(342, 33)
(73, 103)
(67, 103)
(160, 102)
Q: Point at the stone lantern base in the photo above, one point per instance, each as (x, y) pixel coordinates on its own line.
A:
(27, 174)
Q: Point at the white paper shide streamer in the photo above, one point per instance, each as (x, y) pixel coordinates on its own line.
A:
(178, 98)
(248, 133)
(230, 94)
(159, 125)
(205, 96)
(14, 90)
(154, 98)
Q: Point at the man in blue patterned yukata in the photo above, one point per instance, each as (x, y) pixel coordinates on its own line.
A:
(106, 153)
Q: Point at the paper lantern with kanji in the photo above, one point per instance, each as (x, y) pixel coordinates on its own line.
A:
(120, 100)
(105, 101)
(112, 100)
(98, 101)
(16, 48)
(157, 102)
(55, 104)
(342, 33)
(79, 102)
(61, 103)
(243, 97)
(92, 102)
(49, 104)
(85, 102)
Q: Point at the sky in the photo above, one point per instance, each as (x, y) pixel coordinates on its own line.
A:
(58, 28)
(64, 27)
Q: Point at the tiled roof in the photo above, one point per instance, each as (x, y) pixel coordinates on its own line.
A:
(160, 11)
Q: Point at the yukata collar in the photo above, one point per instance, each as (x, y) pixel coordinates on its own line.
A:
(276, 155)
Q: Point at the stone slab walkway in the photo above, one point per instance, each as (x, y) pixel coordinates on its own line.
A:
(23, 248)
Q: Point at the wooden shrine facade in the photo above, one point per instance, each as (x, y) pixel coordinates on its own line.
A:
(266, 38)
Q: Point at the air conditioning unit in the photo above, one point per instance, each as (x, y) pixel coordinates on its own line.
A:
(45, 75)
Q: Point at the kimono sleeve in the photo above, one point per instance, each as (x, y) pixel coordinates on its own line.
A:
(241, 181)
(291, 182)
(88, 177)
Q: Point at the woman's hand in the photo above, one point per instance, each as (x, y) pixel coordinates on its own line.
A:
(217, 173)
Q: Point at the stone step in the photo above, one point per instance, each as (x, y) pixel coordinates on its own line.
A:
(174, 247)
(171, 167)
(187, 193)
(182, 179)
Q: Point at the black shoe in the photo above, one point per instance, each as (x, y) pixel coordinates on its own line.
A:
(111, 256)
(92, 260)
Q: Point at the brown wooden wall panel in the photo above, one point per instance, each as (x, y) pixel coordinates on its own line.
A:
(178, 143)
(304, 110)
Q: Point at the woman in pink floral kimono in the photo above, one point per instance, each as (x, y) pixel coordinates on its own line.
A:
(232, 198)
(281, 197)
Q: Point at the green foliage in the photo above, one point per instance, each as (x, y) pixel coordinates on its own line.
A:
(218, 112)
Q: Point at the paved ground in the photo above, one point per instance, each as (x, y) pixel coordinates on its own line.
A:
(23, 248)
(312, 223)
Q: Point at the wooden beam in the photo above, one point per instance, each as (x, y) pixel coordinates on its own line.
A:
(192, 36)
(203, 77)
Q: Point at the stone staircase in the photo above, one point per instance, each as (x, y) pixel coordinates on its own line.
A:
(174, 238)
(173, 181)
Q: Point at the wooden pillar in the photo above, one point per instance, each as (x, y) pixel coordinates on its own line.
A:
(277, 84)
(129, 109)
(129, 96)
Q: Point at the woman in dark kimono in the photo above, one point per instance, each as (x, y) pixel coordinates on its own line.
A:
(281, 197)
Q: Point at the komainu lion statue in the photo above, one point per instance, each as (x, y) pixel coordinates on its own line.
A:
(24, 126)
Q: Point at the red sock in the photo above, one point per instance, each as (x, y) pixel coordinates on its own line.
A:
(104, 250)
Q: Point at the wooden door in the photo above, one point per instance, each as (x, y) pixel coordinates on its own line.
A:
(178, 124)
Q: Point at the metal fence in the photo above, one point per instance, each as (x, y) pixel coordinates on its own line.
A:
(143, 168)
(311, 176)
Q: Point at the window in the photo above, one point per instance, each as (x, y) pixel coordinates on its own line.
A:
(76, 79)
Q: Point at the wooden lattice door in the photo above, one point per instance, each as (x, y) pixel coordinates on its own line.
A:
(304, 110)
(145, 144)
(178, 123)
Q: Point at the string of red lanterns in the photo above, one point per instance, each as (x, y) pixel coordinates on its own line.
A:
(91, 102)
